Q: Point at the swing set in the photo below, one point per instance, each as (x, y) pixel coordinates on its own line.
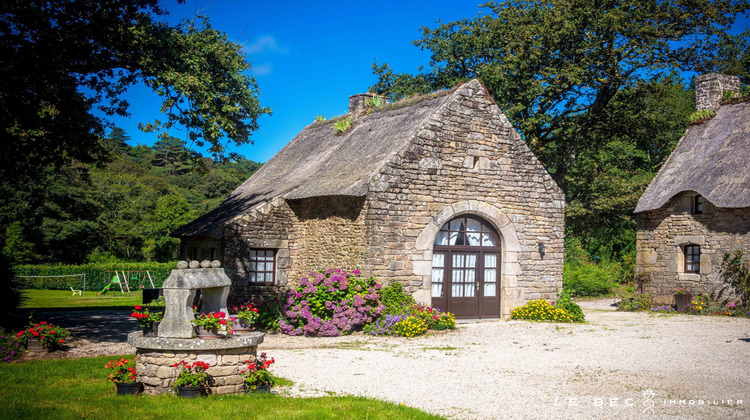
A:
(124, 279)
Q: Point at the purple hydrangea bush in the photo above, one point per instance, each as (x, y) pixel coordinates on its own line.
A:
(331, 302)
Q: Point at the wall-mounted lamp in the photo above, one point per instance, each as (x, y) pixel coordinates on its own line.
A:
(541, 249)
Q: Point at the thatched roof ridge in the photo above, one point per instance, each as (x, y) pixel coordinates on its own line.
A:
(320, 161)
(711, 160)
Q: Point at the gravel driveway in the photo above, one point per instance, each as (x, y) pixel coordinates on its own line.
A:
(696, 367)
(518, 369)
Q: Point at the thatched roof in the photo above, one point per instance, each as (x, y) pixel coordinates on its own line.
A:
(321, 161)
(712, 160)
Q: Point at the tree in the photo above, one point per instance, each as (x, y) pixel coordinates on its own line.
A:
(568, 73)
(554, 66)
(117, 141)
(63, 58)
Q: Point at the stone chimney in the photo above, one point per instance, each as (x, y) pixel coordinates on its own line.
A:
(709, 89)
(358, 105)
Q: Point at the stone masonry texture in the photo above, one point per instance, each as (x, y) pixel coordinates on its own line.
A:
(663, 233)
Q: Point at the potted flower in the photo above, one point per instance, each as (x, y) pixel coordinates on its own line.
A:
(43, 335)
(208, 324)
(192, 380)
(148, 321)
(245, 318)
(682, 299)
(257, 378)
(124, 377)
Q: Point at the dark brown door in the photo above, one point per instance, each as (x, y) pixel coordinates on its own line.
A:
(466, 269)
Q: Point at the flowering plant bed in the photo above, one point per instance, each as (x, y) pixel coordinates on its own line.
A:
(192, 375)
(412, 320)
(257, 374)
(331, 303)
(246, 313)
(52, 336)
(541, 310)
(121, 372)
(211, 320)
(144, 318)
(10, 346)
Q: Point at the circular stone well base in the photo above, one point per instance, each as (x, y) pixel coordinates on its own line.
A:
(156, 356)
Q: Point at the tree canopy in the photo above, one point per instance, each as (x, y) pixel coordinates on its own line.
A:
(587, 83)
(62, 59)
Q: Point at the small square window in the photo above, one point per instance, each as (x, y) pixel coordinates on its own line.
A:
(697, 204)
(692, 259)
(261, 266)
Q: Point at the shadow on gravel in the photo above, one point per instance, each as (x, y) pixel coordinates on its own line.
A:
(93, 325)
(747, 340)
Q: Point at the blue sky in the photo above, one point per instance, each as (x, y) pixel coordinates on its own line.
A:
(308, 56)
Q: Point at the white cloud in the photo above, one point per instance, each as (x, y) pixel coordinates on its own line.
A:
(265, 43)
(262, 69)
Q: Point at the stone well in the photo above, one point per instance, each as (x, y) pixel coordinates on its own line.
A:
(156, 356)
(176, 340)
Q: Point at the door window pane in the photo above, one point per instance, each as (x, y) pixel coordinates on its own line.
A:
(437, 289)
(490, 289)
(490, 261)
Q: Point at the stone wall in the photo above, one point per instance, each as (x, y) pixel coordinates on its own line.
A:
(467, 160)
(156, 372)
(662, 234)
(308, 234)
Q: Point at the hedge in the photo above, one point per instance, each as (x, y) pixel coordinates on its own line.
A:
(98, 275)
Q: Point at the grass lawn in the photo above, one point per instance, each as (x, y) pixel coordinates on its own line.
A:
(79, 388)
(39, 299)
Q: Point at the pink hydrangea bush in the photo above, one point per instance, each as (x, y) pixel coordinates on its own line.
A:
(331, 303)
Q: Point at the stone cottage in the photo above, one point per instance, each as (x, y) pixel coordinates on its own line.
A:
(437, 192)
(698, 205)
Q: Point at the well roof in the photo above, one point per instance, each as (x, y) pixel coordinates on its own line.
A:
(320, 161)
(712, 159)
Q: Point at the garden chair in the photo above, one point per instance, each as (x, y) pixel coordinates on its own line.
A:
(76, 292)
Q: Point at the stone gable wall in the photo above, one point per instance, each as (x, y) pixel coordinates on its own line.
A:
(466, 159)
(661, 235)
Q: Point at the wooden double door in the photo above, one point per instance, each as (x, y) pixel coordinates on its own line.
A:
(466, 269)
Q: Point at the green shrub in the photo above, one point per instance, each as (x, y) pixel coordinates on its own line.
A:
(540, 310)
(587, 280)
(636, 303)
(10, 292)
(394, 298)
(736, 272)
(270, 313)
(565, 303)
